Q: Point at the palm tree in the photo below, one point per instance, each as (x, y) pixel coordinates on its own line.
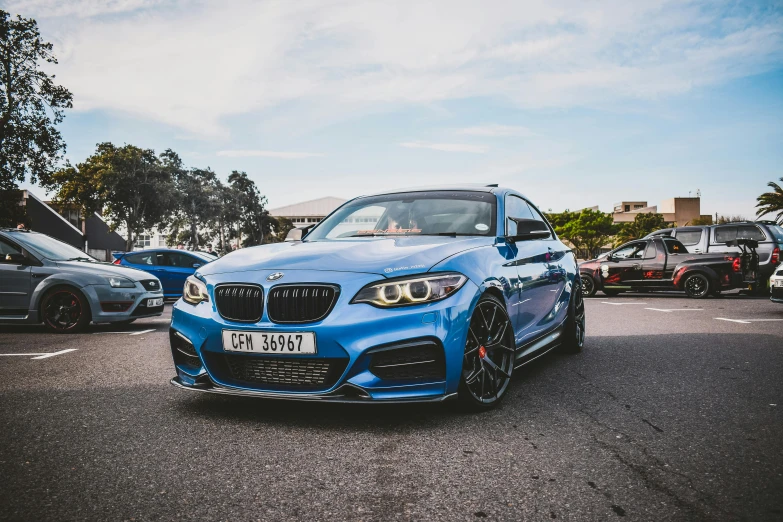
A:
(771, 202)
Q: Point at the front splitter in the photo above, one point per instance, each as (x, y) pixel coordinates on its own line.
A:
(344, 394)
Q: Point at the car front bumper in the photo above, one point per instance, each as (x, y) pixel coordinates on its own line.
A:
(132, 300)
(351, 333)
(776, 294)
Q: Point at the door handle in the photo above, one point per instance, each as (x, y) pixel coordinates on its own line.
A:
(637, 266)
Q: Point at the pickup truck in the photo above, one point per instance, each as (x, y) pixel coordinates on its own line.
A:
(714, 239)
(661, 263)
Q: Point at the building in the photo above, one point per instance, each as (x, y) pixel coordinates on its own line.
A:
(308, 212)
(67, 224)
(681, 211)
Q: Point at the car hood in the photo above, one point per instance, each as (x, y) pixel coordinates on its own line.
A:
(389, 256)
(104, 269)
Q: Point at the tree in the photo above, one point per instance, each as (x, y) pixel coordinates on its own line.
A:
(706, 220)
(31, 104)
(255, 222)
(771, 202)
(722, 220)
(587, 230)
(284, 225)
(643, 224)
(132, 186)
(196, 194)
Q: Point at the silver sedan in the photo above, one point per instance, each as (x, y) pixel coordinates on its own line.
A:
(43, 280)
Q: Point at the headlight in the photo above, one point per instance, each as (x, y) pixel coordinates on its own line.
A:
(195, 291)
(410, 290)
(120, 282)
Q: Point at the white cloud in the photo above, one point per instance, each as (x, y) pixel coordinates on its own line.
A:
(195, 65)
(446, 147)
(266, 154)
(497, 130)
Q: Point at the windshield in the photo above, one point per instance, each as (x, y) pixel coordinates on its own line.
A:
(448, 213)
(51, 248)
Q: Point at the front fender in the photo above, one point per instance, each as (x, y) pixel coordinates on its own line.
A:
(41, 288)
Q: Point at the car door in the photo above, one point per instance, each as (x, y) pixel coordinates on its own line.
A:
(533, 300)
(177, 266)
(623, 268)
(15, 281)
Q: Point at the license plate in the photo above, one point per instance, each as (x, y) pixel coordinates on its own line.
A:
(283, 343)
(155, 302)
(779, 282)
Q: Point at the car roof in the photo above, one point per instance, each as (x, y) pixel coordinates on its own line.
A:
(468, 187)
(191, 252)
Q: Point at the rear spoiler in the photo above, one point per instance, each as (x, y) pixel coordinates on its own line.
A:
(119, 255)
(740, 241)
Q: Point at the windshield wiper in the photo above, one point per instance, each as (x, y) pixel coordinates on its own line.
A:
(80, 259)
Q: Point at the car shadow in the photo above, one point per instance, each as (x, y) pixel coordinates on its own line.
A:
(358, 416)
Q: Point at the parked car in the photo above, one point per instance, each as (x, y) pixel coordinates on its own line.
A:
(713, 239)
(443, 297)
(45, 280)
(661, 263)
(776, 285)
(169, 265)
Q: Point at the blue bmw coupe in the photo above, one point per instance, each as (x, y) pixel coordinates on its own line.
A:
(415, 295)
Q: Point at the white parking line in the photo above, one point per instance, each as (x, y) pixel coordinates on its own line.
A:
(39, 355)
(746, 321)
(621, 304)
(126, 333)
(669, 310)
(55, 353)
(143, 331)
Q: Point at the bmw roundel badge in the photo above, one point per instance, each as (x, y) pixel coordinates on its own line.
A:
(275, 276)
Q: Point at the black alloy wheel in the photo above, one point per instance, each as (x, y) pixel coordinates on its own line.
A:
(489, 356)
(65, 310)
(697, 286)
(575, 328)
(588, 285)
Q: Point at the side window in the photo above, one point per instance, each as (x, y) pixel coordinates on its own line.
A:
(723, 234)
(630, 251)
(751, 232)
(7, 248)
(516, 207)
(675, 247)
(145, 258)
(689, 237)
(180, 260)
(650, 252)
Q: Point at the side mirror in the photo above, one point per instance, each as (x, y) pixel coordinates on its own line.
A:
(15, 258)
(529, 229)
(296, 234)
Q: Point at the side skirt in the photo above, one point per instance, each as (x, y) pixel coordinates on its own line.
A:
(540, 346)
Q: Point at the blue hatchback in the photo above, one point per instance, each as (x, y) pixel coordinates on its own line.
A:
(171, 266)
(419, 295)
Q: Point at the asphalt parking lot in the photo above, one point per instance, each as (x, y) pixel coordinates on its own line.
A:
(672, 412)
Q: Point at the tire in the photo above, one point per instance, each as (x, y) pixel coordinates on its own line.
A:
(588, 285)
(487, 368)
(696, 286)
(574, 333)
(611, 293)
(64, 309)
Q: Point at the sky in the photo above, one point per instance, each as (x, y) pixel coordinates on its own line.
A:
(573, 103)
